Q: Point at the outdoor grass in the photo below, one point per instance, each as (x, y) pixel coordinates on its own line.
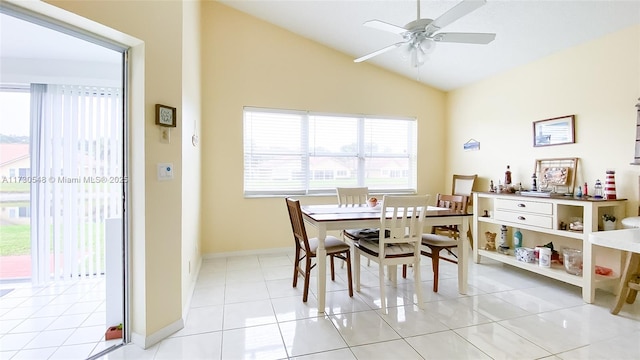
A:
(15, 240)
(14, 187)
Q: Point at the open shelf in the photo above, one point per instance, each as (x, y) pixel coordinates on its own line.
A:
(556, 271)
(566, 233)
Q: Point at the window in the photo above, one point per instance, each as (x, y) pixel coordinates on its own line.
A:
(298, 152)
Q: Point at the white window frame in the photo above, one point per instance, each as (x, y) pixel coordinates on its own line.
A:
(304, 154)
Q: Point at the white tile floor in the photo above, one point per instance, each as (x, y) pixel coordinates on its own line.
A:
(59, 321)
(245, 308)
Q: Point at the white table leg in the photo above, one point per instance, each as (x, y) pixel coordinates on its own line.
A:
(321, 258)
(588, 272)
(463, 255)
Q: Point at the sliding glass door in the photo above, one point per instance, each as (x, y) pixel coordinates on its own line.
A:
(64, 181)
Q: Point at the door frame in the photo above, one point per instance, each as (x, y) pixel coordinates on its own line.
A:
(133, 108)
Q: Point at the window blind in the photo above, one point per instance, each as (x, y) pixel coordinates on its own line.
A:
(289, 152)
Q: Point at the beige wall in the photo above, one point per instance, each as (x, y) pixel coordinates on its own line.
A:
(599, 82)
(247, 62)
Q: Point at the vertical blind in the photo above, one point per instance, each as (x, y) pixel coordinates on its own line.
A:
(301, 152)
(76, 164)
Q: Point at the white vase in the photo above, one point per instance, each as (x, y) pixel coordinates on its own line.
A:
(609, 225)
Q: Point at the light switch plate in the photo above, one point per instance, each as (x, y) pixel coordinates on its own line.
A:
(165, 171)
(165, 135)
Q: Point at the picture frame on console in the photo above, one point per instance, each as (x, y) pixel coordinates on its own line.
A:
(557, 175)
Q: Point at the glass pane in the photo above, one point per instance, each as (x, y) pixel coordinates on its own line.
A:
(388, 173)
(330, 172)
(389, 137)
(333, 135)
(15, 219)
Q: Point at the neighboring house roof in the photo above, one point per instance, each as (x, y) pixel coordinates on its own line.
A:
(10, 153)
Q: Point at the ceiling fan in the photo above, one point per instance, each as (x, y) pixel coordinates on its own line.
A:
(420, 36)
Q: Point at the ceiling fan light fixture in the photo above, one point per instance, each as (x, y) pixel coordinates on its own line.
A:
(427, 46)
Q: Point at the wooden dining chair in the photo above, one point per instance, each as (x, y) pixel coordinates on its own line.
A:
(352, 196)
(306, 249)
(403, 218)
(463, 185)
(442, 237)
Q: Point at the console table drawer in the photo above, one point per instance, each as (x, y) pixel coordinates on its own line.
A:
(524, 219)
(524, 206)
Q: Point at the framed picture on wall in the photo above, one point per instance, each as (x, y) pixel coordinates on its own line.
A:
(554, 131)
(165, 115)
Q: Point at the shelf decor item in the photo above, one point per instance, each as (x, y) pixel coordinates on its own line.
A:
(556, 175)
(525, 255)
(610, 185)
(572, 261)
(608, 222)
(597, 190)
(113, 332)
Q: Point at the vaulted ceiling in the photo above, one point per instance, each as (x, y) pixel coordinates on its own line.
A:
(526, 31)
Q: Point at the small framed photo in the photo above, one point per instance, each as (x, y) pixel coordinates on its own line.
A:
(165, 115)
(555, 131)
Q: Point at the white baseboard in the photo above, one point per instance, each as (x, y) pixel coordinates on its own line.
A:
(149, 341)
(249, 252)
(192, 288)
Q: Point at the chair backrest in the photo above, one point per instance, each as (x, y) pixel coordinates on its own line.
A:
(297, 224)
(352, 195)
(463, 185)
(453, 202)
(403, 217)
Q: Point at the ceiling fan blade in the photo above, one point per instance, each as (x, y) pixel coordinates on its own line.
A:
(463, 8)
(381, 51)
(467, 38)
(381, 25)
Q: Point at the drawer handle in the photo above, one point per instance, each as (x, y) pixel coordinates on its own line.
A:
(521, 205)
(522, 218)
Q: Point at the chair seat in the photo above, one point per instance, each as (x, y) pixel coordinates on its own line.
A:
(359, 234)
(438, 240)
(392, 250)
(331, 243)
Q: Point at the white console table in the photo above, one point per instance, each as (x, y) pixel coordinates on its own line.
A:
(539, 220)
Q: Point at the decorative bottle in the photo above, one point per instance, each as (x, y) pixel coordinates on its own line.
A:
(517, 239)
(535, 185)
(579, 193)
(586, 190)
(507, 176)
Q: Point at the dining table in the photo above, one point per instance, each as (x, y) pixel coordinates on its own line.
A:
(627, 240)
(339, 217)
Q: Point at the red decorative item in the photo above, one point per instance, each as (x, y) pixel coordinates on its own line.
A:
(114, 332)
(610, 185)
